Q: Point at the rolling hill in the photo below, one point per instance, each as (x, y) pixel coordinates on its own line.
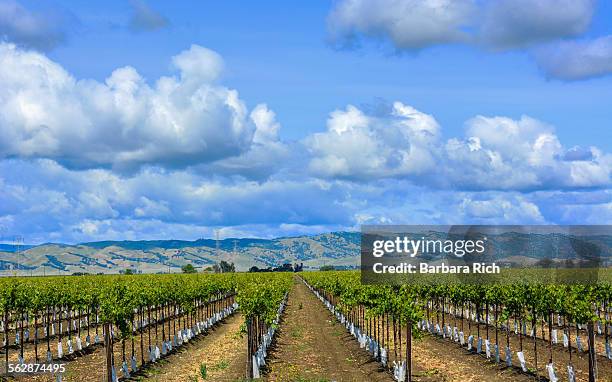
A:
(340, 249)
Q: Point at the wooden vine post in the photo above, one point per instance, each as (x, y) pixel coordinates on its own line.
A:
(249, 362)
(108, 348)
(6, 339)
(592, 354)
(409, 352)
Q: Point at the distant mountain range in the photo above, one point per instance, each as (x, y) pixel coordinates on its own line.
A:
(340, 249)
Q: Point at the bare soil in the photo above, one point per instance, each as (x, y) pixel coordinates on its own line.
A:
(312, 346)
(559, 353)
(90, 365)
(222, 351)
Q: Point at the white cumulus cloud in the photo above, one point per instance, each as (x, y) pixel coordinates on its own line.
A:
(266, 156)
(496, 153)
(523, 154)
(123, 122)
(360, 146)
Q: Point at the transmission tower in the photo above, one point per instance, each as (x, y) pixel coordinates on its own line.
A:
(18, 242)
(217, 244)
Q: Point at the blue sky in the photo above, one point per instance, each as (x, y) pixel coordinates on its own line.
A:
(280, 54)
(345, 112)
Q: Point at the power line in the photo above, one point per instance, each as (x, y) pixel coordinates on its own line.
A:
(18, 242)
(217, 241)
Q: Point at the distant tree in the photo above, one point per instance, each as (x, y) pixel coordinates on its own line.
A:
(227, 267)
(188, 268)
(287, 267)
(327, 268)
(216, 268)
(254, 269)
(569, 263)
(128, 272)
(545, 263)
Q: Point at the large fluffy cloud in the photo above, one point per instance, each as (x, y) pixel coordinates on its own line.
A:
(265, 154)
(123, 122)
(524, 154)
(360, 146)
(496, 153)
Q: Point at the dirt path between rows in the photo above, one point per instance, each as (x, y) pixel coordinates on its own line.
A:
(222, 351)
(312, 346)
